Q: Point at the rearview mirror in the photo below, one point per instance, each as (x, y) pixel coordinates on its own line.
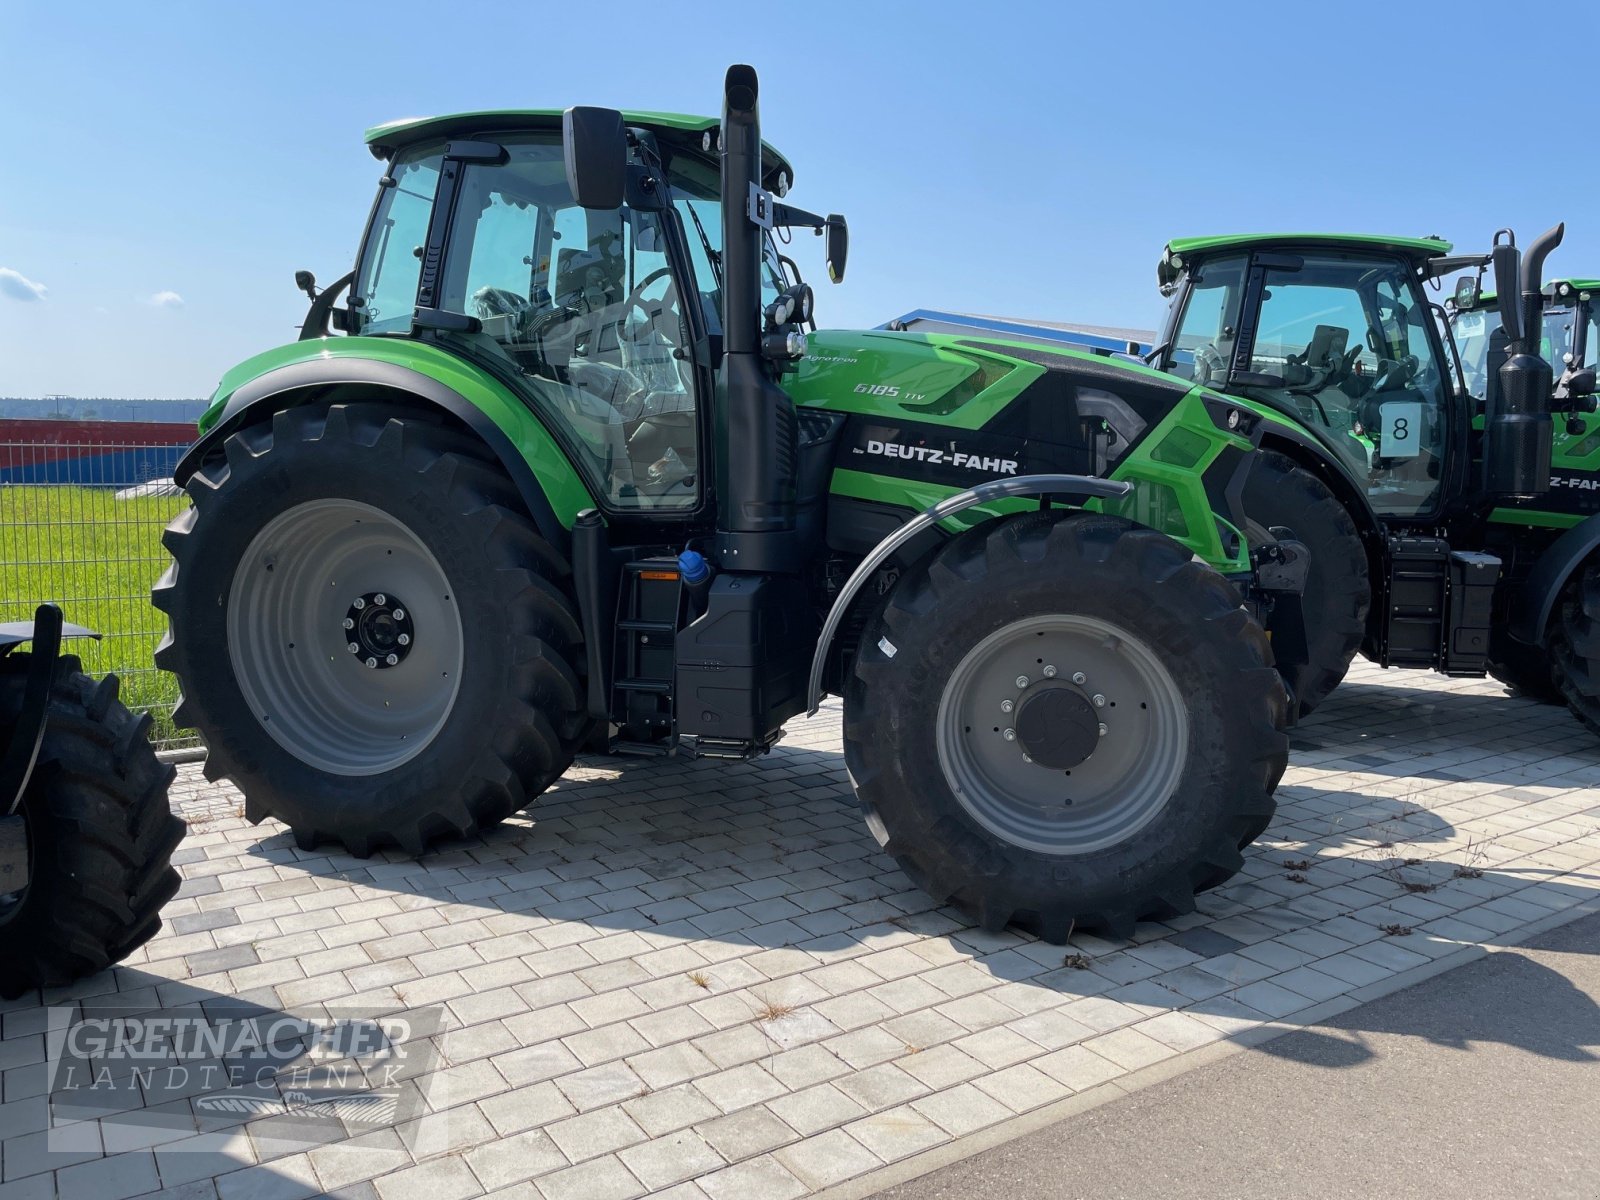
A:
(837, 246)
(1468, 288)
(594, 143)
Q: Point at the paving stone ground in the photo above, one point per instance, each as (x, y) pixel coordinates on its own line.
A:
(701, 981)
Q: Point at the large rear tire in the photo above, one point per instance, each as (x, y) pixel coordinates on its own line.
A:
(972, 724)
(1575, 644)
(100, 834)
(1338, 591)
(373, 639)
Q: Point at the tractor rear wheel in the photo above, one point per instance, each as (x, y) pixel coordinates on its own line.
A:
(1061, 719)
(1338, 592)
(372, 637)
(99, 829)
(1575, 644)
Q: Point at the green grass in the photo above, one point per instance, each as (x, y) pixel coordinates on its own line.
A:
(95, 556)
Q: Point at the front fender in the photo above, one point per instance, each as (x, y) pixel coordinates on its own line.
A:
(1534, 599)
(306, 371)
(984, 493)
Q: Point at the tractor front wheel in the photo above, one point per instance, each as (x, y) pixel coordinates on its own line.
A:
(1338, 592)
(372, 637)
(1062, 720)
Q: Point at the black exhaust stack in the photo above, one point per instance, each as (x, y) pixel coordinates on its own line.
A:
(756, 448)
(1517, 431)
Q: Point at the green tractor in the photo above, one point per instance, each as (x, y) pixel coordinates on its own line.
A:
(86, 833)
(1571, 338)
(1449, 526)
(582, 471)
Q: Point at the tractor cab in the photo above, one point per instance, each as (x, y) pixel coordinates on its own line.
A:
(1336, 333)
(604, 311)
(1569, 341)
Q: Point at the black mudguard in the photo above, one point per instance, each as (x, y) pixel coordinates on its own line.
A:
(1535, 597)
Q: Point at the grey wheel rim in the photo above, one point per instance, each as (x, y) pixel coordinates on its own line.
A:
(1082, 695)
(294, 612)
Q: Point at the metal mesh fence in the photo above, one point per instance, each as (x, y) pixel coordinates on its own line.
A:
(80, 525)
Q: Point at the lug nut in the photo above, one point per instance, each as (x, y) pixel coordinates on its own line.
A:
(379, 600)
(373, 663)
(1079, 678)
(399, 614)
(1102, 729)
(404, 639)
(359, 604)
(1007, 705)
(349, 623)
(392, 659)
(355, 648)
(1099, 700)
(1022, 681)
(1049, 672)
(1010, 735)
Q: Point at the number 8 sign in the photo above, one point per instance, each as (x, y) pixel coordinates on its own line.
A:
(1402, 429)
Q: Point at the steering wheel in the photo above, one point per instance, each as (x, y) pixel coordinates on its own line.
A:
(1396, 373)
(635, 297)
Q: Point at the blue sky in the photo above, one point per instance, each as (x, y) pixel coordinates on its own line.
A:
(166, 167)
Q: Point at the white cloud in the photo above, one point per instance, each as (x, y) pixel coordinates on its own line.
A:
(19, 287)
(165, 300)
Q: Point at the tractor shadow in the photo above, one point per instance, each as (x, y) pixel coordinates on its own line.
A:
(1488, 1001)
(773, 855)
(1403, 729)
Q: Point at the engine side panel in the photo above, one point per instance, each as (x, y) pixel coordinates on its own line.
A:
(929, 415)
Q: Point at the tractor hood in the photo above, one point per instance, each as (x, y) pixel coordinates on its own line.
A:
(954, 411)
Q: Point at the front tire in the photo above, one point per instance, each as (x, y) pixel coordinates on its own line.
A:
(372, 638)
(1089, 830)
(1338, 591)
(100, 834)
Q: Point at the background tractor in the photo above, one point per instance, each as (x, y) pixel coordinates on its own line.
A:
(1453, 519)
(581, 467)
(86, 833)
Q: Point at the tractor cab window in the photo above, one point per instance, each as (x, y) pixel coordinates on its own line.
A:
(1343, 343)
(695, 184)
(1207, 326)
(1472, 329)
(385, 291)
(585, 306)
(1562, 329)
(1347, 343)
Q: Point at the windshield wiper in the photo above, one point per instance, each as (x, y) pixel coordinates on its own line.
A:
(712, 256)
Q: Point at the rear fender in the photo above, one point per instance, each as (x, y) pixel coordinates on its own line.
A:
(546, 481)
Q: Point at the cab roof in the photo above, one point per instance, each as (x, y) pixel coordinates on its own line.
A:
(1555, 286)
(678, 128)
(1424, 247)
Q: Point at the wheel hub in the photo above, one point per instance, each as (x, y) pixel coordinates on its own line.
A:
(1057, 726)
(1062, 733)
(380, 631)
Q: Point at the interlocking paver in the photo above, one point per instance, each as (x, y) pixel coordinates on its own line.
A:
(707, 982)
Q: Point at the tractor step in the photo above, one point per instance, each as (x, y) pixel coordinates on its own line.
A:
(648, 604)
(740, 750)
